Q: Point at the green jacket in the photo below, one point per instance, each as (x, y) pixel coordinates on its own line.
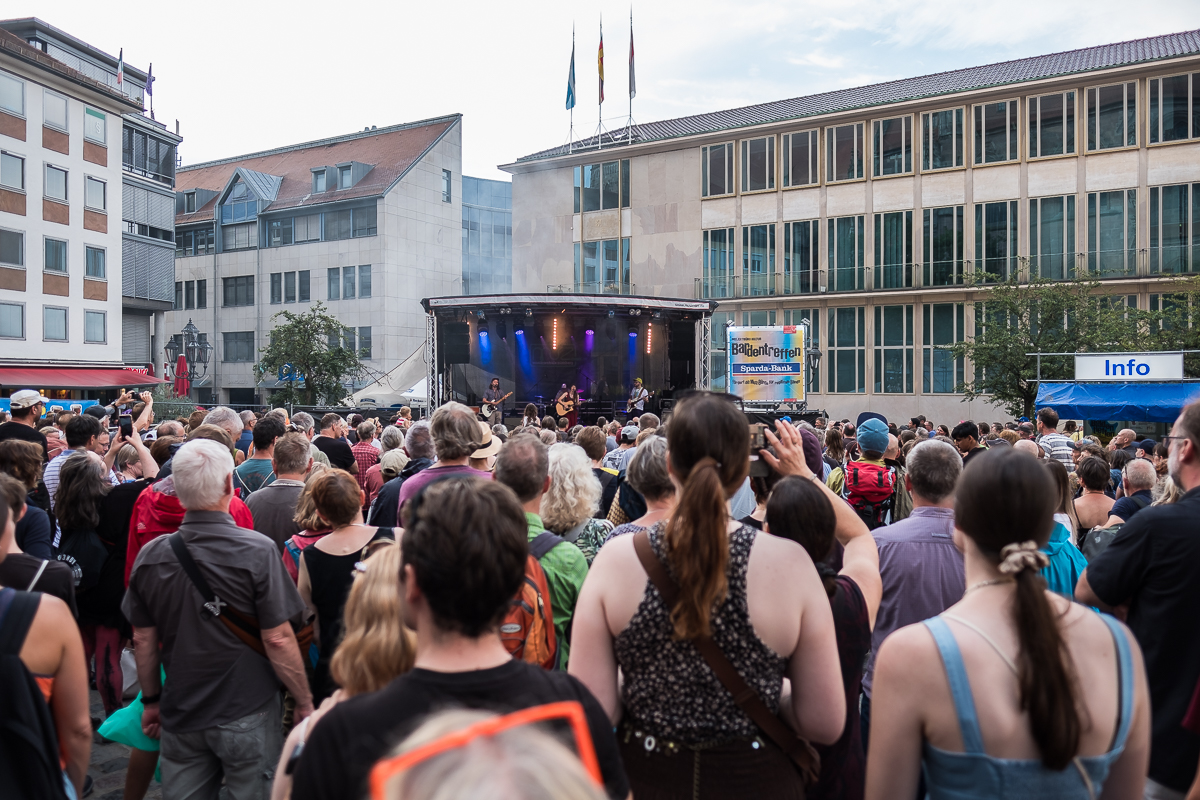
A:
(566, 569)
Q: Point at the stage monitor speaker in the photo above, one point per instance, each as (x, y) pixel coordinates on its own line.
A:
(681, 343)
(455, 344)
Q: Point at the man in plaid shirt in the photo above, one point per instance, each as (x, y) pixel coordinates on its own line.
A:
(365, 452)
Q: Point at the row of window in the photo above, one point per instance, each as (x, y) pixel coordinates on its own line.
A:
(599, 187)
(191, 294)
(147, 155)
(1109, 115)
(344, 283)
(603, 267)
(12, 176)
(54, 109)
(54, 324)
(54, 254)
(239, 345)
(1111, 249)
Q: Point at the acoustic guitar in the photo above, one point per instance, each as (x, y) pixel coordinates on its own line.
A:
(487, 409)
(564, 407)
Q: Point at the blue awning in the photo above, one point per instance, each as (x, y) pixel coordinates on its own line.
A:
(1135, 402)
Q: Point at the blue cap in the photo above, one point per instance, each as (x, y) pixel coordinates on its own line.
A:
(873, 435)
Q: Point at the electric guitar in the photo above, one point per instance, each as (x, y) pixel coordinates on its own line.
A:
(641, 399)
(564, 407)
(487, 409)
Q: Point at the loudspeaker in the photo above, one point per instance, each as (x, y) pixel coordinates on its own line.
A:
(681, 342)
(454, 345)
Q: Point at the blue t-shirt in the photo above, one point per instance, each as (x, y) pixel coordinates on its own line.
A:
(255, 474)
(1126, 507)
(244, 441)
(34, 534)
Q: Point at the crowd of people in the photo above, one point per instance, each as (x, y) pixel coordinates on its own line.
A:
(692, 606)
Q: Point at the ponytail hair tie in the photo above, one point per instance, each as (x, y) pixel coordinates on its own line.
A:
(1020, 556)
(707, 461)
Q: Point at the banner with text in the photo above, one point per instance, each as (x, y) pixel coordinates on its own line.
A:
(766, 365)
(1129, 367)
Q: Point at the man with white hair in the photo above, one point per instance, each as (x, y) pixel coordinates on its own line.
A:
(304, 423)
(218, 720)
(1027, 446)
(229, 421)
(1138, 480)
(243, 441)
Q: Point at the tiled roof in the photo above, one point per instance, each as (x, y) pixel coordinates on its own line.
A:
(973, 78)
(16, 47)
(285, 173)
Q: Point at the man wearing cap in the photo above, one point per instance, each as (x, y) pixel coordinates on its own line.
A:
(619, 459)
(1145, 448)
(872, 442)
(637, 397)
(27, 406)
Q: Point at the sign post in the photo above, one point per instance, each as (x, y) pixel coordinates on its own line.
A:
(767, 364)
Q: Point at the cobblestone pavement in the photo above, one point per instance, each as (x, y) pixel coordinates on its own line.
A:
(109, 760)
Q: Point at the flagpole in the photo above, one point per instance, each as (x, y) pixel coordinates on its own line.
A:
(150, 83)
(632, 90)
(571, 137)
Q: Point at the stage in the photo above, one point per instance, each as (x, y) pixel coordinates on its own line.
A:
(535, 343)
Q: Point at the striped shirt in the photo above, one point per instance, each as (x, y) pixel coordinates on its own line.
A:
(1059, 447)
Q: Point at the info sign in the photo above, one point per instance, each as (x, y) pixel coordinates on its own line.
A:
(766, 365)
(1129, 367)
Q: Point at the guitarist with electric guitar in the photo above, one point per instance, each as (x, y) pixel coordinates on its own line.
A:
(566, 404)
(493, 403)
(637, 398)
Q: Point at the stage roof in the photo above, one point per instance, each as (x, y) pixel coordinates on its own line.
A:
(543, 302)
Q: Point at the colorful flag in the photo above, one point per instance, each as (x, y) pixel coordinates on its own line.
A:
(150, 79)
(121, 69)
(600, 61)
(571, 79)
(632, 82)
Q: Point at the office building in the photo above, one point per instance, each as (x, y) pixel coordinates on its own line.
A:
(863, 211)
(486, 236)
(86, 222)
(366, 223)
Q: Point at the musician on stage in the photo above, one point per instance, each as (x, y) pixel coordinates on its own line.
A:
(567, 404)
(637, 398)
(494, 397)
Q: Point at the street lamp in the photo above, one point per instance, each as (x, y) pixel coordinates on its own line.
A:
(197, 350)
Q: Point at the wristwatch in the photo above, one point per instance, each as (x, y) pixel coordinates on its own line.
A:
(150, 699)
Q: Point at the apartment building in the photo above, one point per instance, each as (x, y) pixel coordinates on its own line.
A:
(75, 267)
(366, 223)
(863, 211)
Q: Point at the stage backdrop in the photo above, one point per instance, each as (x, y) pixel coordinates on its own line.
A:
(766, 365)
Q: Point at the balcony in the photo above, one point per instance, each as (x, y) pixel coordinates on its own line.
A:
(592, 287)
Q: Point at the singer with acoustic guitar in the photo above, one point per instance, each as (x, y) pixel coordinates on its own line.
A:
(566, 404)
(492, 410)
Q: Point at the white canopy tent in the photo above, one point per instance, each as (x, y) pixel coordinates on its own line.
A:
(404, 384)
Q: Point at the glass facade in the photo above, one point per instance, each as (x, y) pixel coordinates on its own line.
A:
(486, 236)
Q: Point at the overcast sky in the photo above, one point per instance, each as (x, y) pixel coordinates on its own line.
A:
(250, 76)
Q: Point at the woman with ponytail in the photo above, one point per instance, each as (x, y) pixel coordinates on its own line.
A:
(760, 599)
(1013, 692)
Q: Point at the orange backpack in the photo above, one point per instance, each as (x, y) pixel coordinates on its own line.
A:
(528, 629)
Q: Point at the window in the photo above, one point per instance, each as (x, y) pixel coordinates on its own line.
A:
(610, 185)
(893, 146)
(148, 156)
(801, 273)
(276, 288)
(12, 94)
(601, 186)
(279, 232)
(847, 356)
(345, 339)
(1052, 237)
(338, 225)
(95, 194)
(1052, 125)
(12, 248)
(178, 296)
(12, 321)
(306, 229)
(335, 283)
(1112, 116)
(56, 256)
(794, 316)
(718, 263)
(54, 110)
(894, 349)
(94, 126)
(624, 183)
(364, 221)
(239, 345)
(1112, 233)
(95, 327)
(942, 139)
(758, 260)
(318, 180)
(996, 132)
(364, 342)
(189, 203)
(758, 164)
(94, 263)
(364, 280)
(1175, 108)
(844, 152)
(289, 287)
(239, 205)
(603, 267)
(54, 324)
(846, 254)
(800, 159)
(304, 285)
(239, 291)
(344, 180)
(189, 294)
(1174, 229)
(56, 183)
(12, 171)
(944, 326)
(202, 294)
(590, 187)
(943, 246)
(716, 170)
(446, 186)
(996, 240)
(893, 250)
(195, 242)
(239, 237)
(347, 283)
(759, 319)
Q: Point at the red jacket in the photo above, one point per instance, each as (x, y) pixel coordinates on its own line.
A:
(158, 512)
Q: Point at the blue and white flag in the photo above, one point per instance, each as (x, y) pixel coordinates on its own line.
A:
(571, 80)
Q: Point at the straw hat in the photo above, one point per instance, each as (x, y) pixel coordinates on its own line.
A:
(491, 444)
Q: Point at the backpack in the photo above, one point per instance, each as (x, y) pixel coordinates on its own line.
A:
(869, 488)
(84, 552)
(29, 766)
(1097, 540)
(527, 630)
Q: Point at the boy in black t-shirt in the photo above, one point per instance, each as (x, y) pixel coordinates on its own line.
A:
(463, 560)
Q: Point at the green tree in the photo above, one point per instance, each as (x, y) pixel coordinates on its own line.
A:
(1174, 324)
(311, 346)
(1013, 319)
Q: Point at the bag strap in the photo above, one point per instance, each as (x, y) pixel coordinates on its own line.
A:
(1140, 502)
(16, 620)
(37, 575)
(543, 543)
(747, 699)
(240, 624)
